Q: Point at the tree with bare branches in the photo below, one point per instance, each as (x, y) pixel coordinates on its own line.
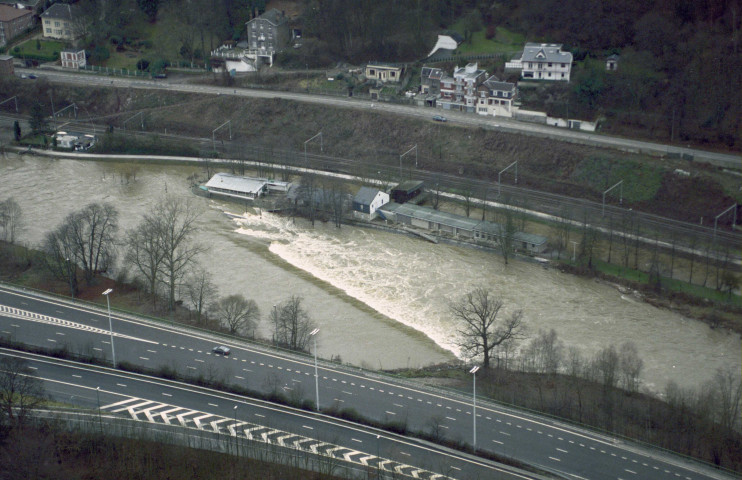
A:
(201, 289)
(10, 220)
(291, 324)
(175, 221)
(480, 330)
(237, 312)
(20, 391)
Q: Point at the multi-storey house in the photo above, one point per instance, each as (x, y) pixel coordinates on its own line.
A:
(268, 34)
(13, 22)
(496, 98)
(61, 21)
(459, 92)
(545, 61)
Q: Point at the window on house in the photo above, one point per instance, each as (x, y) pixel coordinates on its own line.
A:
(47, 22)
(56, 24)
(550, 65)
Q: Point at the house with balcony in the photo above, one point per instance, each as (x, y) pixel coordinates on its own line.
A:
(13, 22)
(459, 92)
(543, 61)
(496, 98)
(62, 21)
(268, 34)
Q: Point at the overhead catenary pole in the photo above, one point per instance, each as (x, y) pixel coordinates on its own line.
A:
(620, 198)
(499, 176)
(405, 153)
(321, 146)
(213, 133)
(733, 208)
(14, 97)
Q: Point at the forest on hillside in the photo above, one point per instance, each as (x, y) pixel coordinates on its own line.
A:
(680, 65)
(678, 79)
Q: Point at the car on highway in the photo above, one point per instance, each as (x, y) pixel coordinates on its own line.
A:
(440, 118)
(221, 350)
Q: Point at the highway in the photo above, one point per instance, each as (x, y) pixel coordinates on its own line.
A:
(545, 443)
(503, 124)
(160, 402)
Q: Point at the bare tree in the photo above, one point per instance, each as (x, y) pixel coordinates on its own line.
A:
(20, 391)
(631, 366)
(59, 256)
(201, 290)
(728, 395)
(545, 353)
(291, 324)
(480, 332)
(506, 236)
(146, 253)
(176, 222)
(10, 219)
(605, 365)
(85, 239)
(237, 313)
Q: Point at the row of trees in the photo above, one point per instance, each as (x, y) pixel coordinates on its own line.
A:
(163, 256)
(601, 390)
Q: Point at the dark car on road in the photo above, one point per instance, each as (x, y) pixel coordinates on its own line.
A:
(439, 118)
(221, 350)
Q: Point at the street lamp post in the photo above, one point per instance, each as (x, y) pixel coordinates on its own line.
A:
(314, 333)
(110, 324)
(236, 435)
(100, 421)
(473, 372)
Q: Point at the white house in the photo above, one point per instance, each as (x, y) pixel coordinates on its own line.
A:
(367, 201)
(72, 58)
(543, 61)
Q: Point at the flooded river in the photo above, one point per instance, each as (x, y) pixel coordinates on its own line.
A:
(379, 298)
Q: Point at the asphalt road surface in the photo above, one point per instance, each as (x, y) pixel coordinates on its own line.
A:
(537, 441)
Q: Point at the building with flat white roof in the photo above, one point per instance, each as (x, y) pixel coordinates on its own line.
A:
(236, 186)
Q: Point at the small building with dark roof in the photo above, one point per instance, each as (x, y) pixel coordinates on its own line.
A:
(6, 65)
(406, 191)
(611, 63)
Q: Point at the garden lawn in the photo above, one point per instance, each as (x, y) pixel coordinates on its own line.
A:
(49, 48)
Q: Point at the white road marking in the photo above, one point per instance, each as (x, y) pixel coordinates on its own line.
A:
(151, 351)
(198, 360)
(120, 385)
(237, 376)
(504, 433)
(405, 454)
(143, 358)
(496, 441)
(77, 376)
(555, 459)
(562, 450)
(356, 440)
(631, 471)
(60, 333)
(166, 394)
(213, 404)
(307, 427)
(450, 418)
(259, 415)
(390, 413)
(52, 340)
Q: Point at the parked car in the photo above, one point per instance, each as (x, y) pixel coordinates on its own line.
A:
(221, 350)
(439, 118)
(32, 76)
